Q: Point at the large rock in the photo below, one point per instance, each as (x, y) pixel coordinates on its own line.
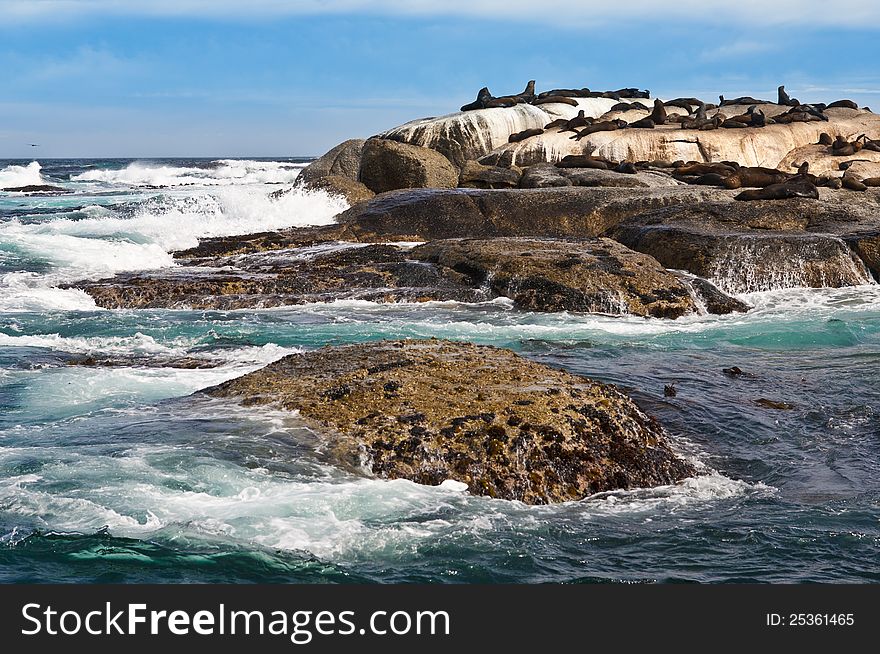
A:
(476, 175)
(595, 276)
(558, 212)
(388, 165)
(766, 146)
(862, 164)
(473, 134)
(752, 246)
(344, 160)
(430, 411)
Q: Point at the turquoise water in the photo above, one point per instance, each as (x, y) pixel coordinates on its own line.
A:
(117, 474)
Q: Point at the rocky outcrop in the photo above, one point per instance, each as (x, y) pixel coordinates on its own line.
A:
(752, 246)
(344, 160)
(430, 411)
(388, 165)
(381, 273)
(598, 275)
(766, 146)
(473, 134)
(424, 215)
(594, 276)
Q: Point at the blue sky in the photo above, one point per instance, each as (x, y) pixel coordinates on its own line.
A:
(281, 78)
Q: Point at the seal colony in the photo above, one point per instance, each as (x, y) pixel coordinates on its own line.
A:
(569, 199)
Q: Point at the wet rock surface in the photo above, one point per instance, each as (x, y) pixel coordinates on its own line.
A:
(755, 246)
(434, 410)
(381, 273)
(596, 276)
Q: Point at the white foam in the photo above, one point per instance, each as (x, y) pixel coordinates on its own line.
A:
(26, 292)
(222, 172)
(13, 176)
(107, 243)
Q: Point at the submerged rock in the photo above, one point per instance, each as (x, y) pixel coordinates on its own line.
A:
(596, 276)
(432, 411)
(380, 273)
(37, 188)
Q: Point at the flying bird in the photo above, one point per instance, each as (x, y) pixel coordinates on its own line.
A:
(34, 145)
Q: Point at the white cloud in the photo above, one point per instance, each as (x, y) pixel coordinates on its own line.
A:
(752, 13)
(740, 48)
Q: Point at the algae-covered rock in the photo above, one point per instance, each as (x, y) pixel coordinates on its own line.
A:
(434, 410)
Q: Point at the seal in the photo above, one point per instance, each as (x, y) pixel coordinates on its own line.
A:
(632, 93)
(523, 135)
(683, 103)
(643, 123)
(584, 161)
(559, 122)
(483, 96)
(784, 99)
(528, 93)
(578, 121)
(559, 99)
(501, 103)
(846, 104)
(868, 144)
(603, 126)
(745, 99)
(853, 184)
(755, 177)
(842, 148)
(796, 187)
(871, 182)
(825, 139)
(568, 93)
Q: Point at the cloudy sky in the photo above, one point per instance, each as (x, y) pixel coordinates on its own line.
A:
(139, 78)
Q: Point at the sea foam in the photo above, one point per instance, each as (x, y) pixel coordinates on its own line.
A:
(13, 176)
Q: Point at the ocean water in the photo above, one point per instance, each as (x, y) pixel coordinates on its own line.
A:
(117, 474)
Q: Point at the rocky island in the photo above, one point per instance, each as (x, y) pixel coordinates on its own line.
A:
(573, 200)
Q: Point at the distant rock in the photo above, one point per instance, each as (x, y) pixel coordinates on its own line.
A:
(388, 165)
(36, 188)
(433, 411)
